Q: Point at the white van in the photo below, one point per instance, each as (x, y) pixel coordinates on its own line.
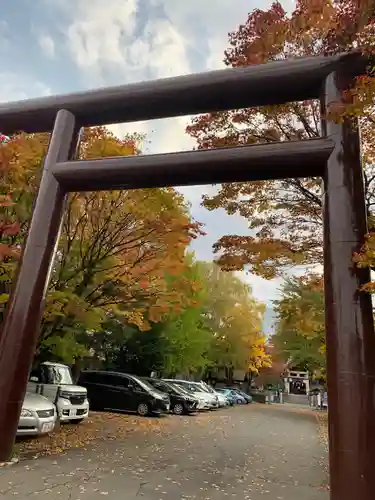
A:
(55, 382)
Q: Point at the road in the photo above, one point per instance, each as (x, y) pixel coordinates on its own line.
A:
(250, 453)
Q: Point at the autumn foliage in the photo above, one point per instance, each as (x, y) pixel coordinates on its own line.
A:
(123, 290)
(285, 216)
(116, 248)
(300, 330)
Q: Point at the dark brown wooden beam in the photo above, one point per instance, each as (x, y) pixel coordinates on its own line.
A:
(266, 84)
(349, 315)
(244, 163)
(20, 330)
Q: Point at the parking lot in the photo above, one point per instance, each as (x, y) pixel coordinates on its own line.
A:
(248, 452)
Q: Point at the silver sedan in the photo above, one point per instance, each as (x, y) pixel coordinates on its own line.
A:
(38, 416)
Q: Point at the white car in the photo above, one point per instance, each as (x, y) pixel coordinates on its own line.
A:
(55, 382)
(208, 401)
(222, 400)
(38, 416)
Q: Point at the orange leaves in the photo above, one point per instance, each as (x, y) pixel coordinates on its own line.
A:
(366, 259)
(116, 247)
(5, 201)
(259, 39)
(7, 251)
(284, 217)
(9, 229)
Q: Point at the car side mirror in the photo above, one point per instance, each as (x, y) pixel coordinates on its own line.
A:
(131, 387)
(34, 379)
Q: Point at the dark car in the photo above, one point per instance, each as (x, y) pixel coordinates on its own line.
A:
(181, 401)
(120, 391)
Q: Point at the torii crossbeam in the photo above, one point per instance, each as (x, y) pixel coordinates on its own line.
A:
(335, 157)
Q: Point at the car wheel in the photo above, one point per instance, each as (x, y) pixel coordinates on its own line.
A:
(77, 421)
(142, 409)
(178, 409)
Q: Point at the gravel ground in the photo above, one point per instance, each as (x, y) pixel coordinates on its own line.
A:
(252, 452)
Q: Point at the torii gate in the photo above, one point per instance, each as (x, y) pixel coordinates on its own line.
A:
(335, 157)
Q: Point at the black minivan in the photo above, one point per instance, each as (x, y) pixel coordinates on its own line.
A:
(181, 401)
(119, 391)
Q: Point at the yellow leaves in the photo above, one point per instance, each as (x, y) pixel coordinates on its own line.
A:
(4, 298)
(366, 259)
(300, 326)
(259, 358)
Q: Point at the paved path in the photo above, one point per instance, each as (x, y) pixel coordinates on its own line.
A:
(249, 453)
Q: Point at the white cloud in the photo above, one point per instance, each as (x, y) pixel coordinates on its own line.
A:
(47, 45)
(102, 40)
(96, 30)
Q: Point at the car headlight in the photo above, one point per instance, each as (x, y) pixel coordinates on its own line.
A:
(64, 395)
(155, 395)
(26, 413)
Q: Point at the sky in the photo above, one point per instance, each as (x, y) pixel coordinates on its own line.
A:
(61, 46)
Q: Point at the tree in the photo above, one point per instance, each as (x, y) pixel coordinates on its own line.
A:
(286, 215)
(217, 328)
(235, 320)
(300, 331)
(259, 358)
(9, 227)
(186, 334)
(176, 345)
(115, 251)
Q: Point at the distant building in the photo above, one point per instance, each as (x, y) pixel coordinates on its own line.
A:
(296, 381)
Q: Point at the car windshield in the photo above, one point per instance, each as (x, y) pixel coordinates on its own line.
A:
(144, 384)
(164, 386)
(55, 374)
(205, 388)
(190, 387)
(177, 389)
(208, 387)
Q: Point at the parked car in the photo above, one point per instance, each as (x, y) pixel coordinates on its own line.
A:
(237, 398)
(38, 416)
(221, 399)
(123, 392)
(247, 397)
(228, 395)
(55, 382)
(202, 402)
(181, 401)
(207, 388)
(208, 400)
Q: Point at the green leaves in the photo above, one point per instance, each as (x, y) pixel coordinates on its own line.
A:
(300, 330)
